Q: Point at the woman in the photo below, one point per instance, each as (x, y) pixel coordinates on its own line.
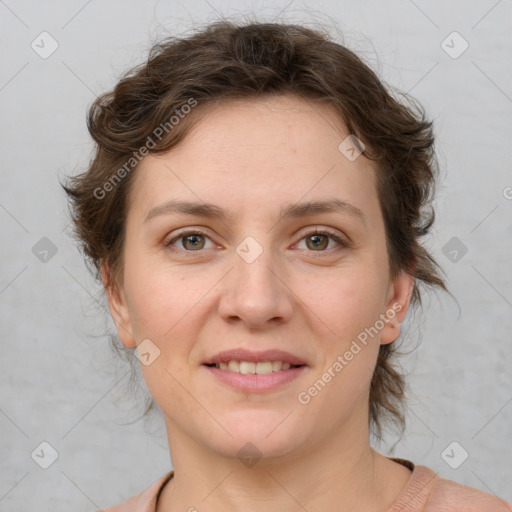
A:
(254, 209)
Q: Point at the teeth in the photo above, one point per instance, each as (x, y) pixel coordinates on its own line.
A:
(246, 367)
(233, 366)
(261, 368)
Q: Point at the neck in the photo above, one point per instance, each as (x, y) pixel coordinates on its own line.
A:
(341, 473)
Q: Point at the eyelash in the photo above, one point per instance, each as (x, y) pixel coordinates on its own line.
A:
(343, 243)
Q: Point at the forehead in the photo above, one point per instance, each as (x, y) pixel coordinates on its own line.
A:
(255, 152)
(283, 120)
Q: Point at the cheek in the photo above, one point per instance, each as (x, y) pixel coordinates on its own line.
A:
(159, 295)
(350, 350)
(154, 300)
(351, 301)
(360, 300)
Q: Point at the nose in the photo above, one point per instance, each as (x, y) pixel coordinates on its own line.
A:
(256, 293)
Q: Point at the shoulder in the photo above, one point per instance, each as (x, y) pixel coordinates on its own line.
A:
(143, 502)
(428, 492)
(450, 496)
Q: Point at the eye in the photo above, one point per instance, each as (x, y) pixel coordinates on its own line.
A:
(318, 240)
(194, 240)
(190, 241)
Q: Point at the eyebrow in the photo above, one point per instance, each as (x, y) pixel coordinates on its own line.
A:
(291, 211)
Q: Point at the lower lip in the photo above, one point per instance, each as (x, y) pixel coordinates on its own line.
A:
(253, 382)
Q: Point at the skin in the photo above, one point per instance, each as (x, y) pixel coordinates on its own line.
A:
(251, 158)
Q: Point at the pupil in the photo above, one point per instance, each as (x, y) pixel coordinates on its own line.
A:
(192, 240)
(317, 240)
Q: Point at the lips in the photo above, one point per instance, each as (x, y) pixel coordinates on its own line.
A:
(255, 372)
(242, 354)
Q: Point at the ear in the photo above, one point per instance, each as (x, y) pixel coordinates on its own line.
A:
(118, 307)
(399, 298)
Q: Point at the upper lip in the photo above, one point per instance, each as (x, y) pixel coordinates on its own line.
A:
(242, 354)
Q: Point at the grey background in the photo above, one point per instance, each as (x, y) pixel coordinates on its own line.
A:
(60, 382)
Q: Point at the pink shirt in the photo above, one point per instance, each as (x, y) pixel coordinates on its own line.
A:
(425, 492)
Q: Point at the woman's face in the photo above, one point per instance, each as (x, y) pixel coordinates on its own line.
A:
(257, 278)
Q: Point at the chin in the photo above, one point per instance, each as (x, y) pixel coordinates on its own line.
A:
(260, 434)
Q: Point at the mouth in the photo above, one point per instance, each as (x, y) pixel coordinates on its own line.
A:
(251, 367)
(253, 372)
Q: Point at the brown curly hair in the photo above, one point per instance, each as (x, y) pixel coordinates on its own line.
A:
(225, 61)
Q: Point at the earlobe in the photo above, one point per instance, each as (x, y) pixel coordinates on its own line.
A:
(118, 308)
(399, 299)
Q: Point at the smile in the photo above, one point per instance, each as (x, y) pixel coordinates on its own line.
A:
(244, 375)
(247, 367)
